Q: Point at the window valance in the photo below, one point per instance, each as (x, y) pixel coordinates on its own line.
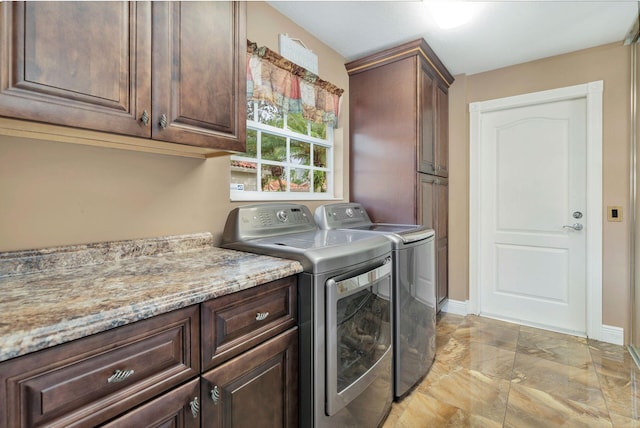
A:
(294, 89)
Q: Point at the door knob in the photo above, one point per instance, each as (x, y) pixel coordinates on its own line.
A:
(574, 226)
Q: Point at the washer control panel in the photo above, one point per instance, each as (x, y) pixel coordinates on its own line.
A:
(267, 219)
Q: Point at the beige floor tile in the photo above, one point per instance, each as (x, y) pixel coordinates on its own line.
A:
(613, 360)
(622, 395)
(564, 350)
(577, 339)
(424, 411)
(529, 407)
(481, 357)
(489, 373)
(624, 422)
(496, 333)
(559, 380)
(470, 391)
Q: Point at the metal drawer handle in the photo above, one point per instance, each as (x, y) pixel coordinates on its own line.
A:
(262, 316)
(195, 407)
(119, 376)
(163, 121)
(145, 118)
(215, 395)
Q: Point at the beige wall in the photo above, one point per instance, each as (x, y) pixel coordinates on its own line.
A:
(58, 194)
(609, 63)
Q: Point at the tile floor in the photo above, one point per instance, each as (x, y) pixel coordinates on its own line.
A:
(489, 373)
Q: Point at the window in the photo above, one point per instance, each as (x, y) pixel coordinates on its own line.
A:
(287, 157)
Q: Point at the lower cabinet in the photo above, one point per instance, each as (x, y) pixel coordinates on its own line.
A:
(148, 373)
(258, 389)
(94, 379)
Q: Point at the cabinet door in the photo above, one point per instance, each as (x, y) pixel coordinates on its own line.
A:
(177, 408)
(258, 389)
(427, 160)
(80, 64)
(442, 131)
(442, 267)
(199, 78)
(433, 206)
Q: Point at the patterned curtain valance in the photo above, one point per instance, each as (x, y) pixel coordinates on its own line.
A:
(273, 78)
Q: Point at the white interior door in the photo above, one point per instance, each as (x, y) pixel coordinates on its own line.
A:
(533, 214)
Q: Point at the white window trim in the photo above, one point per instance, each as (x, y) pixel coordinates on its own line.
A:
(259, 195)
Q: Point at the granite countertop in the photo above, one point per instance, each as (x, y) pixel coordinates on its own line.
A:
(52, 296)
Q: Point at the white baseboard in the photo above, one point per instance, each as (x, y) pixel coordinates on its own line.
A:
(611, 334)
(456, 307)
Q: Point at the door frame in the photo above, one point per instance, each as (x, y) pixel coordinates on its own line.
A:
(592, 93)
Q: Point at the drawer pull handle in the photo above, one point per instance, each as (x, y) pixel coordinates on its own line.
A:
(119, 376)
(262, 316)
(145, 118)
(195, 407)
(215, 395)
(163, 121)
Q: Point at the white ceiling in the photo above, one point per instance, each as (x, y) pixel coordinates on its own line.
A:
(503, 32)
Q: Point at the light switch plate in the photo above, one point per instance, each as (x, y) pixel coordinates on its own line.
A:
(614, 213)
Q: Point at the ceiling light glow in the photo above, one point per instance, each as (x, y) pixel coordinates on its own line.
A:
(452, 14)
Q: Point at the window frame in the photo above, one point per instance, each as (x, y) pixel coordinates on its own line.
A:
(284, 132)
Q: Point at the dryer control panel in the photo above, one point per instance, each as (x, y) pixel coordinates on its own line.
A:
(341, 216)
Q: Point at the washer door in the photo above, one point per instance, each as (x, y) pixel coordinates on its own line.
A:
(358, 333)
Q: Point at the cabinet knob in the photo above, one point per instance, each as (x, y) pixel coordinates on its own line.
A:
(215, 394)
(119, 376)
(163, 121)
(262, 316)
(145, 118)
(195, 407)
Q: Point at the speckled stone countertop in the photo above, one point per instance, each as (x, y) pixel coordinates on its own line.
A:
(55, 295)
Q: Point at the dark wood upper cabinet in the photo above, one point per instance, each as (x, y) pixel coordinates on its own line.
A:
(81, 64)
(198, 73)
(169, 71)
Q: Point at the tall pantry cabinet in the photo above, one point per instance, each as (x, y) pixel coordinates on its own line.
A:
(399, 123)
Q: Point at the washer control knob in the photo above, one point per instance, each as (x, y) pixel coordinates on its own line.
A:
(282, 216)
(349, 212)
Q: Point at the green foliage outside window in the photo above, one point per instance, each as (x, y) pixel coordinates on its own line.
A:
(286, 161)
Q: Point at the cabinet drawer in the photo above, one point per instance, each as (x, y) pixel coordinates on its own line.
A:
(239, 321)
(93, 379)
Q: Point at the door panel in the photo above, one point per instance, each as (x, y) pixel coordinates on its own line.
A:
(257, 389)
(533, 268)
(441, 139)
(427, 131)
(59, 67)
(205, 41)
(537, 148)
(433, 213)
